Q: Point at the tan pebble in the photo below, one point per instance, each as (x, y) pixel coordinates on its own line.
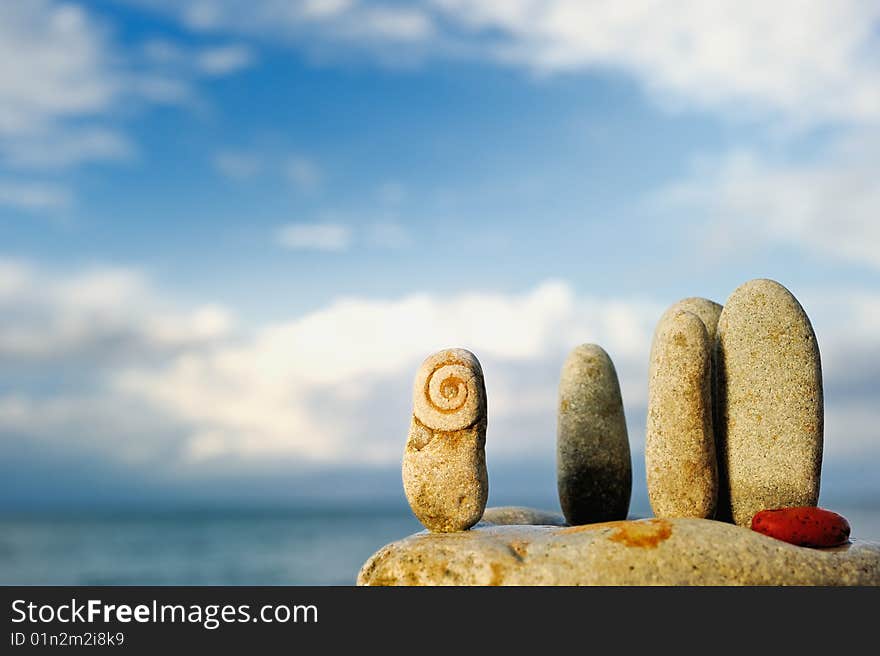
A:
(769, 415)
(593, 467)
(708, 312)
(444, 463)
(680, 444)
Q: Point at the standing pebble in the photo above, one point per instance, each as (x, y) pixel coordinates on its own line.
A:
(444, 464)
(594, 472)
(680, 444)
(708, 311)
(769, 417)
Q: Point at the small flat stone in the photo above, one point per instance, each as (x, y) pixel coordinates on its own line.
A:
(681, 551)
(593, 467)
(522, 515)
(769, 403)
(680, 460)
(444, 462)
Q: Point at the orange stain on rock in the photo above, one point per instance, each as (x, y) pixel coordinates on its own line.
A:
(631, 533)
(590, 527)
(497, 574)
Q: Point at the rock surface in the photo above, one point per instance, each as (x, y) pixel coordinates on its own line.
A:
(681, 551)
(680, 458)
(444, 462)
(523, 516)
(708, 311)
(593, 467)
(769, 403)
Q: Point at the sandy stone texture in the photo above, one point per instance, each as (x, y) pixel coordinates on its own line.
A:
(594, 471)
(444, 462)
(682, 551)
(680, 460)
(708, 311)
(768, 403)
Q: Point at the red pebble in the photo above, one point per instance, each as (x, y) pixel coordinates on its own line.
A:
(805, 526)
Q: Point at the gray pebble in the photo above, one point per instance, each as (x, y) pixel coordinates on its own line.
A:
(522, 515)
(594, 471)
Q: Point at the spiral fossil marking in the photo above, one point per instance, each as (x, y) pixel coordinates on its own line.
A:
(448, 394)
(451, 392)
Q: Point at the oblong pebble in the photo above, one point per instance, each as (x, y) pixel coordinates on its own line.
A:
(769, 403)
(593, 467)
(680, 460)
(444, 462)
(708, 311)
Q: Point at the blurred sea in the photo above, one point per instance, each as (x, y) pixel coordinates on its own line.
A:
(324, 547)
(195, 548)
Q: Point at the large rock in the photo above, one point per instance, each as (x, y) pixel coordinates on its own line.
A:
(768, 397)
(681, 551)
(680, 458)
(593, 467)
(444, 462)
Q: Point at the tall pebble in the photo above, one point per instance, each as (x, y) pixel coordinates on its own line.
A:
(594, 471)
(708, 311)
(680, 444)
(444, 463)
(769, 416)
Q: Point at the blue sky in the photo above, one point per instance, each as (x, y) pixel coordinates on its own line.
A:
(230, 231)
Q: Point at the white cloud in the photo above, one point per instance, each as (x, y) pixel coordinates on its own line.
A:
(65, 335)
(334, 386)
(345, 20)
(101, 362)
(64, 76)
(97, 429)
(807, 61)
(59, 78)
(237, 165)
(216, 60)
(827, 205)
(56, 64)
(167, 88)
(224, 60)
(388, 234)
(65, 148)
(104, 315)
(315, 236)
(398, 23)
(33, 196)
(337, 232)
(14, 278)
(145, 380)
(303, 173)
